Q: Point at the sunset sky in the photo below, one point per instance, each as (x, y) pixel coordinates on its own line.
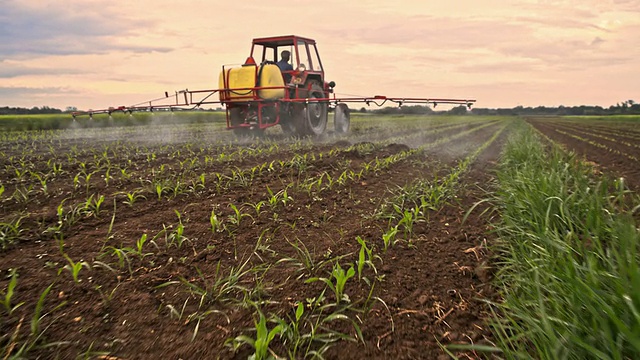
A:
(504, 53)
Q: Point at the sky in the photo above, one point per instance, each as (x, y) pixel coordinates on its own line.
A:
(92, 54)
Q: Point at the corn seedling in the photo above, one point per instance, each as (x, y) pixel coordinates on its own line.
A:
(257, 207)
(10, 232)
(75, 267)
(216, 224)
(121, 254)
(35, 335)
(263, 338)
(133, 196)
(22, 194)
(341, 276)
(237, 216)
(93, 205)
(43, 182)
(6, 297)
(365, 257)
(389, 237)
(176, 237)
(161, 187)
(106, 295)
(308, 333)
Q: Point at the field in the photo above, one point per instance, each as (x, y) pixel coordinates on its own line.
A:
(612, 144)
(181, 241)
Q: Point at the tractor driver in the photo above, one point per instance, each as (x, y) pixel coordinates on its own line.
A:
(284, 65)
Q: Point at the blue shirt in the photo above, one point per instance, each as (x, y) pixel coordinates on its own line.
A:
(284, 66)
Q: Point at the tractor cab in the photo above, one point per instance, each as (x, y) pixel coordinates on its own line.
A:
(304, 58)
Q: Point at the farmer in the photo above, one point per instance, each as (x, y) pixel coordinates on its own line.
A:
(284, 65)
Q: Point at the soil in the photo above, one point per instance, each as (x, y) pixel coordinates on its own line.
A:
(429, 287)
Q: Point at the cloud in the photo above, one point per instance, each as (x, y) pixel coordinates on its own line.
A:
(9, 70)
(18, 91)
(75, 28)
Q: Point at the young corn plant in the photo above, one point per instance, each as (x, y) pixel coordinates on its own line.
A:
(122, 254)
(340, 276)
(93, 205)
(5, 298)
(389, 237)
(237, 216)
(176, 237)
(308, 334)
(216, 223)
(366, 257)
(262, 339)
(20, 347)
(132, 197)
(257, 207)
(74, 268)
(10, 232)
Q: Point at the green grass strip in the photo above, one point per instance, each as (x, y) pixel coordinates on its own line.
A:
(567, 258)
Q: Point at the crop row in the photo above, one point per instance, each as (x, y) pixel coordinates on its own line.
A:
(598, 145)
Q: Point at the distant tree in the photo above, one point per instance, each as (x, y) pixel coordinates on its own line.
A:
(71, 109)
(458, 110)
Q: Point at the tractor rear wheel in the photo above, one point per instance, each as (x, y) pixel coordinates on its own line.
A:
(313, 115)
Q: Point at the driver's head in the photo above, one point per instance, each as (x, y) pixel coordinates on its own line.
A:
(285, 55)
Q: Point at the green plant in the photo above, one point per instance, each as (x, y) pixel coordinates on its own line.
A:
(10, 232)
(263, 338)
(365, 257)
(216, 224)
(176, 237)
(75, 267)
(133, 196)
(304, 260)
(237, 216)
(389, 237)
(92, 206)
(340, 276)
(569, 256)
(6, 297)
(223, 287)
(16, 351)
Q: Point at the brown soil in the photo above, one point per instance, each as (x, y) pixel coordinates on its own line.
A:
(429, 287)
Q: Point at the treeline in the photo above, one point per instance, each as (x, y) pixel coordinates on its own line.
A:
(628, 107)
(24, 111)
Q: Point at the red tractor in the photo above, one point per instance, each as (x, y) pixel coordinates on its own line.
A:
(267, 90)
(282, 82)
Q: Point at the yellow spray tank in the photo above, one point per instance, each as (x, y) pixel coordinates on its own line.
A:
(243, 79)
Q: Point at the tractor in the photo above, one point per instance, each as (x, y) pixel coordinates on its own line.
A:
(260, 93)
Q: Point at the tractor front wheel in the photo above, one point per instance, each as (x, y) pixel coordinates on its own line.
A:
(341, 118)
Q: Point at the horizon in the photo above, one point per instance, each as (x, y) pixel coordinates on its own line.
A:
(503, 54)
